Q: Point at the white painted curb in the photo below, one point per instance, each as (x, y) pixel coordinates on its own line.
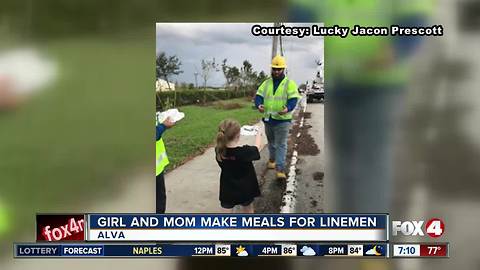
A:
(289, 196)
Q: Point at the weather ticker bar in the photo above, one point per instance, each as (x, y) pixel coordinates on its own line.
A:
(37, 250)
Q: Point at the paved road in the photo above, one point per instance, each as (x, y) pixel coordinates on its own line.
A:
(135, 196)
(311, 166)
(440, 172)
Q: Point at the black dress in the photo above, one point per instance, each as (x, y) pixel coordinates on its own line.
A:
(238, 180)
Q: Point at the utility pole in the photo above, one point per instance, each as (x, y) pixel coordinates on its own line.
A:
(275, 42)
(196, 74)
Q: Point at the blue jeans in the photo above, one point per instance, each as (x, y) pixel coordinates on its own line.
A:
(277, 136)
(361, 124)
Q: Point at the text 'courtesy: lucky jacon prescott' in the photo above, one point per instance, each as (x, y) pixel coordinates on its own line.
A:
(344, 31)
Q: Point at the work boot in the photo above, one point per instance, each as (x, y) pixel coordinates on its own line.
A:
(281, 175)
(271, 164)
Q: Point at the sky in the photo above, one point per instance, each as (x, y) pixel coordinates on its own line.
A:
(192, 42)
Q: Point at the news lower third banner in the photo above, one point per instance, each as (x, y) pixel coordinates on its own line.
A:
(237, 227)
(40, 250)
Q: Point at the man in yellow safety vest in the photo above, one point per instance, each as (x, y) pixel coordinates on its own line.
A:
(366, 78)
(276, 98)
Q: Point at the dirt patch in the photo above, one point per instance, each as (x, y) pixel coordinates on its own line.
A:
(306, 144)
(314, 203)
(272, 192)
(317, 176)
(271, 189)
(306, 115)
(292, 137)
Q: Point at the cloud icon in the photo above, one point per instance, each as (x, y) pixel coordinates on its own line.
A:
(373, 251)
(243, 253)
(307, 251)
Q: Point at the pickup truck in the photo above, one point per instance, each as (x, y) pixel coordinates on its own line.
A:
(316, 92)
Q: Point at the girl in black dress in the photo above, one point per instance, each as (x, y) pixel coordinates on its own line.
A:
(238, 180)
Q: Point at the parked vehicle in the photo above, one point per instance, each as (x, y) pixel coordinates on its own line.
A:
(315, 92)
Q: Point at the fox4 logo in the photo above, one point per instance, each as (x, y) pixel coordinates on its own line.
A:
(434, 227)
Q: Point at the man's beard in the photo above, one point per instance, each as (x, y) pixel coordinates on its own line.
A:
(277, 76)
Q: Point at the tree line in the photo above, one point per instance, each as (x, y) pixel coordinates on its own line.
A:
(236, 78)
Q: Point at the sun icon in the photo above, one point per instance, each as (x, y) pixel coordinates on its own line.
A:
(240, 249)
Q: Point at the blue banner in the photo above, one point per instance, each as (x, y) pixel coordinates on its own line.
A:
(237, 221)
(186, 250)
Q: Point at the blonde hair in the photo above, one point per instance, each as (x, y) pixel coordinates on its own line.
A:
(228, 130)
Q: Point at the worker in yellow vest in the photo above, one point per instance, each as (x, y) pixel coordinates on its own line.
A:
(5, 220)
(161, 163)
(276, 98)
(366, 78)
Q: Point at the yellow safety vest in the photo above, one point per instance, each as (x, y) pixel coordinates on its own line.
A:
(4, 220)
(161, 157)
(346, 58)
(274, 103)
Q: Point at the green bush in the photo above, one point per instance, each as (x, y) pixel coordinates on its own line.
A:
(184, 97)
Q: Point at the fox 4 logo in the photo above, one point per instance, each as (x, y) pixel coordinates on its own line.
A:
(434, 227)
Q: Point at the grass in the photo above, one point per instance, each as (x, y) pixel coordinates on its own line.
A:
(88, 131)
(79, 137)
(198, 129)
(222, 105)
